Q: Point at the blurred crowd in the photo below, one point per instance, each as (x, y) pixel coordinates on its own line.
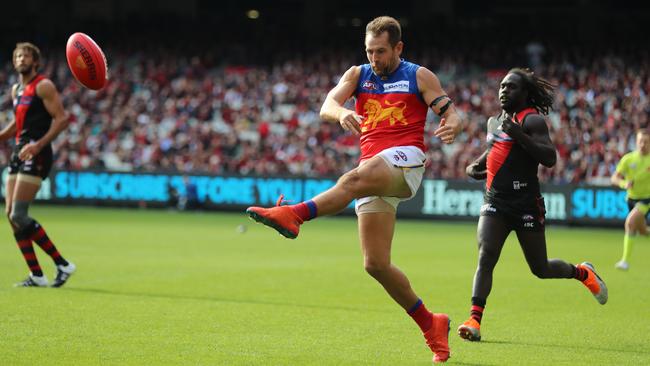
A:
(189, 114)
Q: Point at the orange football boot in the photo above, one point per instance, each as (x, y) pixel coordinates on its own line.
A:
(437, 338)
(594, 283)
(281, 218)
(470, 330)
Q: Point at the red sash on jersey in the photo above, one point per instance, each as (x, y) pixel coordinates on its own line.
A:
(23, 102)
(501, 148)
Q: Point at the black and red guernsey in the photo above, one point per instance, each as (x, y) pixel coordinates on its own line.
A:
(32, 119)
(511, 171)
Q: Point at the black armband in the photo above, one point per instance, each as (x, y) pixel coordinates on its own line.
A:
(437, 100)
(444, 108)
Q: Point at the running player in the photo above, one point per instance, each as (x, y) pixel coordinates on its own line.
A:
(392, 100)
(39, 118)
(633, 175)
(518, 141)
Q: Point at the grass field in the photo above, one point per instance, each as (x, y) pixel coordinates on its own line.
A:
(167, 288)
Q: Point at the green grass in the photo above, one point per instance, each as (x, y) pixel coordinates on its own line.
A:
(165, 288)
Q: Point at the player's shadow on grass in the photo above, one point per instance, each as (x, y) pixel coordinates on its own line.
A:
(574, 347)
(223, 300)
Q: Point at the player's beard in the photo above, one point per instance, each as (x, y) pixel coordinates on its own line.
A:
(25, 69)
(384, 71)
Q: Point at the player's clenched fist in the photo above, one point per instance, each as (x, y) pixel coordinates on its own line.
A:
(511, 126)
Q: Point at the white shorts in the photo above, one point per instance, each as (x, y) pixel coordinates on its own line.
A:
(410, 161)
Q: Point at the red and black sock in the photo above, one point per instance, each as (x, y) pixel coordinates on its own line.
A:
(40, 237)
(421, 315)
(306, 210)
(580, 273)
(27, 249)
(478, 305)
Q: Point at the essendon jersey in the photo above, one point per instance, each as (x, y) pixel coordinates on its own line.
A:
(32, 119)
(392, 108)
(511, 171)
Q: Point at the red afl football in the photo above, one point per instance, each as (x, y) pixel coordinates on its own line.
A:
(86, 61)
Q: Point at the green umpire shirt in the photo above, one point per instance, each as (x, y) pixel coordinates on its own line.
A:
(636, 168)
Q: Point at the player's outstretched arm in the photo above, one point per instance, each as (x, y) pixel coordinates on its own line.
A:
(478, 169)
(436, 98)
(333, 110)
(535, 139)
(52, 102)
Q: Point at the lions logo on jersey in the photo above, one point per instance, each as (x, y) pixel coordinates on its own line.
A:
(375, 112)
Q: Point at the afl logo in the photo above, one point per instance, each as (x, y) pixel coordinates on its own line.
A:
(369, 85)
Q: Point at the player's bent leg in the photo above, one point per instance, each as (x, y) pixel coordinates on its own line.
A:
(533, 244)
(373, 178)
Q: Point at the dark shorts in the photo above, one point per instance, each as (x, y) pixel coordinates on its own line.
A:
(39, 166)
(632, 202)
(524, 218)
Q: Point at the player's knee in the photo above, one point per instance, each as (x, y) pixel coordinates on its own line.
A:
(18, 215)
(540, 272)
(350, 181)
(19, 219)
(376, 268)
